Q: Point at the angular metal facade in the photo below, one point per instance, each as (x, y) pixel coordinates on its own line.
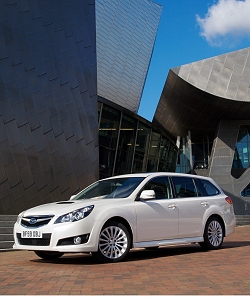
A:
(48, 101)
(210, 100)
(220, 168)
(126, 32)
(197, 95)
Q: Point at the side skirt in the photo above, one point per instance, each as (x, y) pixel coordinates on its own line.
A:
(167, 242)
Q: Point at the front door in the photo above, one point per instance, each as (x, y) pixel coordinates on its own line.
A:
(157, 219)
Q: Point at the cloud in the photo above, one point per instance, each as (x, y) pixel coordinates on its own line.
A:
(226, 21)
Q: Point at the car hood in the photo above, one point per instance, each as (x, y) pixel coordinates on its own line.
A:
(62, 207)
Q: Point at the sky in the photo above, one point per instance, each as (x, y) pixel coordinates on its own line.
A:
(189, 31)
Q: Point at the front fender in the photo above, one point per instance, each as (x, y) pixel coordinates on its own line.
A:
(102, 217)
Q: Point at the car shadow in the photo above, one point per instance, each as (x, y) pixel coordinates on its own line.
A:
(139, 254)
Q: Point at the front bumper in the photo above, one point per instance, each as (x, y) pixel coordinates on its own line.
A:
(59, 237)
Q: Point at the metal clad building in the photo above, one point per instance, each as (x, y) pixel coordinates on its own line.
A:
(54, 68)
(126, 32)
(206, 106)
(48, 101)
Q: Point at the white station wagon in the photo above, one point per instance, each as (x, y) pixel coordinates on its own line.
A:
(113, 215)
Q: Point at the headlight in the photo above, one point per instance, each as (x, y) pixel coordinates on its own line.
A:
(75, 215)
(19, 217)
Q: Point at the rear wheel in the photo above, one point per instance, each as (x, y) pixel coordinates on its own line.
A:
(213, 234)
(48, 255)
(114, 243)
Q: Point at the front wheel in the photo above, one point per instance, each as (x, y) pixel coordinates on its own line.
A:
(114, 242)
(213, 234)
(48, 255)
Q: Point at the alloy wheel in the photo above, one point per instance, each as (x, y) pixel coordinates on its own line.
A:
(215, 233)
(113, 242)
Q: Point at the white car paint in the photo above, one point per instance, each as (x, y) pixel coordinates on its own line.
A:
(152, 221)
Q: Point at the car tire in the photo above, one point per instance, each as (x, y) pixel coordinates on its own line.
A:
(48, 255)
(213, 234)
(114, 243)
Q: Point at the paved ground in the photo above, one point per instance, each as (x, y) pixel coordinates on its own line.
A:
(167, 271)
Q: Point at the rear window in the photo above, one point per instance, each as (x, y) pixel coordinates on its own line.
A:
(209, 188)
(185, 187)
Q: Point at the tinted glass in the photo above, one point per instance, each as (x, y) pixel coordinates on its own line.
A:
(246, 191)
(184, 187)
(141, 148)
(126, 145)
(210, 189)
(161, 187)
(111, 188)
(163, 158)
(242, 151)
(153, 157)
(108, 136)
(199, 189)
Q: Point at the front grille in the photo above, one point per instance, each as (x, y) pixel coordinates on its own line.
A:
(45, 241)
(36, 221)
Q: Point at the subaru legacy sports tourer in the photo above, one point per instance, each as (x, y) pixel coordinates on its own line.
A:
(113, 215)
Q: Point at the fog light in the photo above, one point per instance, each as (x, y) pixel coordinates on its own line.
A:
(77, 240)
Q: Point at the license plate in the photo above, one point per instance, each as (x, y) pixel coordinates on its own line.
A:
(32, 234)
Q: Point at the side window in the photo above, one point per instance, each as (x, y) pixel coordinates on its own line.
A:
(161, 186)
(210, 189)
(184, 187)
(199, 188)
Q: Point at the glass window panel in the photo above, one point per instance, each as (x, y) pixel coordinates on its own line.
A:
(184, 187)
(126, 145)
(108, 136)
(153, 157)
(141, 147)
(210, 189)
(241, 155)
(161, 187)
(172, 158)
(163, 159)
(246, 191)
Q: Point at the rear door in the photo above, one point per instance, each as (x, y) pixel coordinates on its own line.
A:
(192, 206)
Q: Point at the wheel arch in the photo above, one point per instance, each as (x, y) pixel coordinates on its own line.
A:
(220, 218)
(123, 221)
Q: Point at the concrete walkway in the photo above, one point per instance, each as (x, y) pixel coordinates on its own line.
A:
(185, 270)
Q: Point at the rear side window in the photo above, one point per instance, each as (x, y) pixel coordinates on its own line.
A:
(209, 188)
(185, 187)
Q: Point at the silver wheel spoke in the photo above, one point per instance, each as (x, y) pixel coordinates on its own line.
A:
(215, 234)
(113, 242)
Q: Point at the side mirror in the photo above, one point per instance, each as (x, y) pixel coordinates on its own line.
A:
(72, 197)
(147, 195)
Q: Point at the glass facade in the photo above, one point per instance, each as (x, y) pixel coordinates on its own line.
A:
(246, 191)
(193, 156)
(241, 159)
(201, 152)
(128, 145)
(242, 151)
(184, 160)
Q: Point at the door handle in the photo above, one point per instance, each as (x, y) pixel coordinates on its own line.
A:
(172, 206)
(204, 203)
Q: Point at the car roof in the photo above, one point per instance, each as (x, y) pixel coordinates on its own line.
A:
(155, 174)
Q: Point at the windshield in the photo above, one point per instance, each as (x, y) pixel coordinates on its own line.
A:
(111, 188)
